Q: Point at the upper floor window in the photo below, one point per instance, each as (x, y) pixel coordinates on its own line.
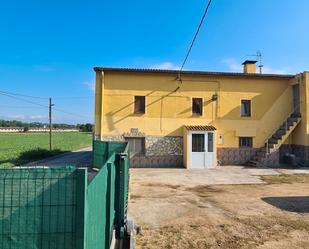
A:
(139, 104)
(245, 108)
(197, 106)
(245, 142)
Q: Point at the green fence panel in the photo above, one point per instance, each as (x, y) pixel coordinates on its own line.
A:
(100, 206)
(96, 211)
(100, 153)
(122, 185)
(38, 208)
(57, 208)
(103, 150)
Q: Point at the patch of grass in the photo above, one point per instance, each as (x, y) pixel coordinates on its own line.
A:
(21, 148)
(279, 179)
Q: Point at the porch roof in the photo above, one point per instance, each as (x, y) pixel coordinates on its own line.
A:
(200, 128)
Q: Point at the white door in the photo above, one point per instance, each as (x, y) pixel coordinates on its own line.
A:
(201, 146)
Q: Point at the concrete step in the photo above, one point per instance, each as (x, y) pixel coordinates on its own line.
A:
(273, 140)
(279, 134)
(292, 119)
(296, 115)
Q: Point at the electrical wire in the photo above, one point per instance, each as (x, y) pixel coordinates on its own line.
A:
(22, 107)
(36, 97)
(21, 99)
(35, 103)
(22, 95)
(195, 35)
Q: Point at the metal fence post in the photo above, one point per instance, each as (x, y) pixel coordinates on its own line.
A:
(81, 190)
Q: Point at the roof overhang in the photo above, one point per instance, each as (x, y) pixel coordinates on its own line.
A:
(200, 128)
(190, 72)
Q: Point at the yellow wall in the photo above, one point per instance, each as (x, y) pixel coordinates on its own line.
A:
(300, 135)
(168, 110)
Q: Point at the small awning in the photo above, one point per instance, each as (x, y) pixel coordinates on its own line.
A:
(200, 128)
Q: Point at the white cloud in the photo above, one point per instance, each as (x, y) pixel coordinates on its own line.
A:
(235, 66)
(274, 71)
(165, 65)
(90, 85)
(232, 64)
(37, 117)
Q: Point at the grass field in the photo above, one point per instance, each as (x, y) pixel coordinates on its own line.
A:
(21, 148)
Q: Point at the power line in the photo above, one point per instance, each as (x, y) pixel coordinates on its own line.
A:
(195, 35)
(86, 97)
(22, 95)
(46, 98)
(35, 103)
(22, 107)
(21, 99)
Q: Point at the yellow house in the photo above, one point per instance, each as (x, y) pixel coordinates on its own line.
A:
(200, 119)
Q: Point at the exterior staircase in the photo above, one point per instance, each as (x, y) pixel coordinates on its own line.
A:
(275, 141)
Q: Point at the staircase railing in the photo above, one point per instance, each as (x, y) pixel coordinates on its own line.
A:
(286, 127)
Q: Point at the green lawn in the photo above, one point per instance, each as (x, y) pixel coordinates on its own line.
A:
(21, 148)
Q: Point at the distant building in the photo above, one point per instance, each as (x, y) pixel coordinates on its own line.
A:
(200, 119)
(33, 129)
(11, 129)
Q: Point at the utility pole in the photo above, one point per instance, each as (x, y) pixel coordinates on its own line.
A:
(50, 124)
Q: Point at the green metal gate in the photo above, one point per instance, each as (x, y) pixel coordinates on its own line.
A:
(66, 207)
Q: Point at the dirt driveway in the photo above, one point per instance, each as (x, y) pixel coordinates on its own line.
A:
(78, 158)
(189, 214)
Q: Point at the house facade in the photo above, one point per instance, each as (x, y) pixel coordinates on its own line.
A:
(201, 119)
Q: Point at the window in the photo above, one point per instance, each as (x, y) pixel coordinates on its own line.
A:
(139, 104)
(198, 142)
(245, 109)
(245, 142)
(210, 142)
(137, 146)
(197, 106)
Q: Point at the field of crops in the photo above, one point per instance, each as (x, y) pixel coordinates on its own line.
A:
(21, 148)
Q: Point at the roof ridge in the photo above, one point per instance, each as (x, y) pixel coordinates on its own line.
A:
(154, 70)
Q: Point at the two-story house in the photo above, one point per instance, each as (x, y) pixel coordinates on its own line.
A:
(200, 119)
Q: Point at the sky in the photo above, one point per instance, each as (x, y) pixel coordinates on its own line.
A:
(49, 48)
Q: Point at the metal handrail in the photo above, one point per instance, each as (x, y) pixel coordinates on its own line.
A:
(286, 127)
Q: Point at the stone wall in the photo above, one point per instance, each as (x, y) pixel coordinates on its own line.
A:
(160, 151)
(163, 146)
(234, 156)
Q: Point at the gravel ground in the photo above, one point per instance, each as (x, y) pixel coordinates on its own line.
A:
(184, 213)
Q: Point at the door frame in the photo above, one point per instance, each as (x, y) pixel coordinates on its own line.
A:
(189, 148)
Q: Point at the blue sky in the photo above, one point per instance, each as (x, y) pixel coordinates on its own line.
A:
(48, 48)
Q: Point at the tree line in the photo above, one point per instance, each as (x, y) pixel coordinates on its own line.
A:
(15, 123)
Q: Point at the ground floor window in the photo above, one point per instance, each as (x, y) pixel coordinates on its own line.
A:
(137, 146)
(245, 142)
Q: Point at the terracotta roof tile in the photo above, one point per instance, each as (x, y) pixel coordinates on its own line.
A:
(200, 128)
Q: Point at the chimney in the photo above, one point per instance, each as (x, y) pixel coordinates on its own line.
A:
(249, 66)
